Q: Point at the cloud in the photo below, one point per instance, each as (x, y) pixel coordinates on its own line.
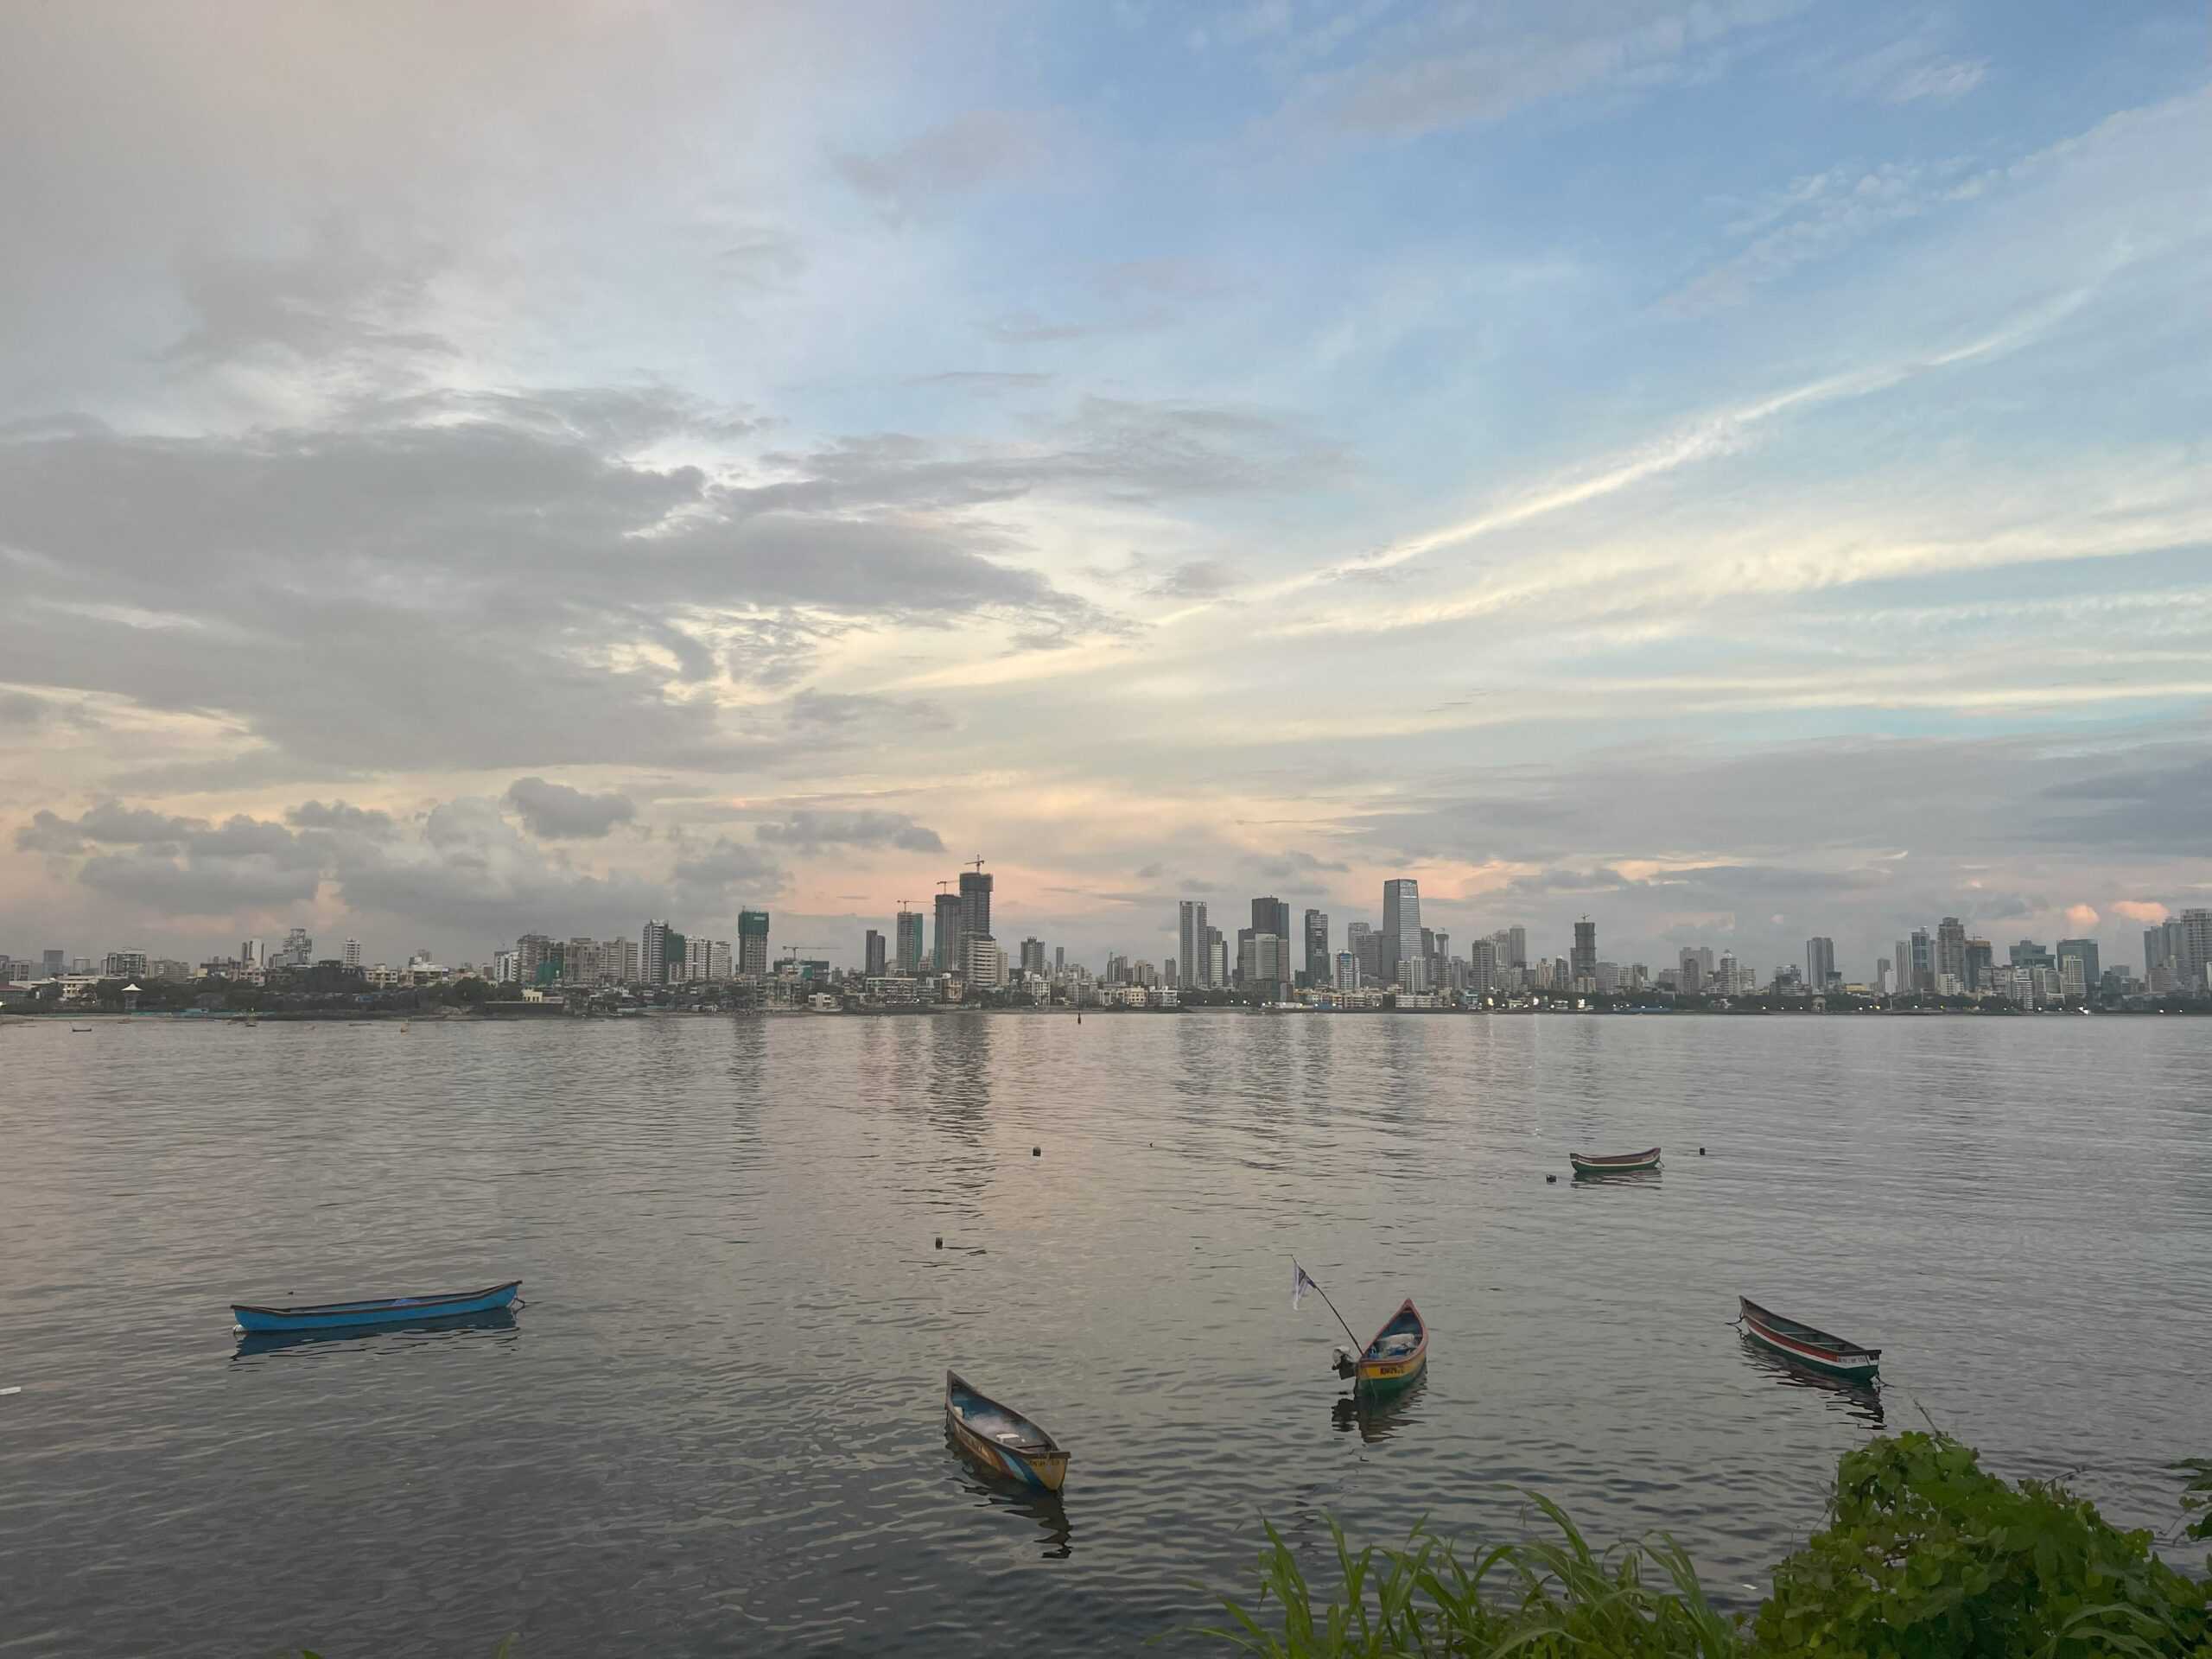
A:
(810, 831)
(555, 811)
(1291, 864)
(980, 148)
(1910, 70)
(339, 815)
(728, 867)
(2080, 918)
(1459, 66)
(2146, 910)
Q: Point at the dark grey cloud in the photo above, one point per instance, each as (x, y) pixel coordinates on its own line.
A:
(337, 296)
(809, 830)
(1194, 579)
(725, 869)
(492, 576)
(555, 811)
(343, 816)
(1290, 864)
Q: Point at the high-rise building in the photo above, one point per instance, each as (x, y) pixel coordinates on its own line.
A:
(1516, 946)
(1347, 971)
(1482, 968)
(698, 960)
(981, 962)
(653, 956)
(52, 960)
(1400, 924)
(1032, 956)
(1692, 973)
(1272, 915)
(1216, 959)
(1263, 963)
(752, 943)
(945, 954)
(1059, 961)
(125, 964)
(1318, 971)
(1903, 963)
(874, 957)
(350, 953)
(2194, 965)
(2028, 954)
(1585, 965)
(1366, 947)
(1190, 941)
(906, 927)
(1951, 950)
(535, 954)
(1924, 962)
(1881, 976)
(1820, 962)
(719, 961)
(1981, 958)
(975, 904)
(2158, 957)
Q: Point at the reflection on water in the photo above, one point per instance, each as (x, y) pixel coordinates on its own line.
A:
(1001, 1493)
(495, 1321)
(724, 1432)
(1860, 1400)
(1379, 1419)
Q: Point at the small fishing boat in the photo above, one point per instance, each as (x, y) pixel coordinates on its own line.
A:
(1000, 1440)
(1396, 1357)
(383, 1310)
(1808, 1345)
(1616, 1163)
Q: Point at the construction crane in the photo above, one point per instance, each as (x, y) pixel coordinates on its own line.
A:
(978, 862)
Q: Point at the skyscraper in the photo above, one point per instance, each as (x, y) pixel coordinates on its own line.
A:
(1585, 965)
(1032, 956)
(1318, 971)
(1924, 960)
(1951, 952)
(908, 928)
(2196, 953)
(350, 953)
(945, 956)
(653, 956)
(1272, 915)
(1820, 962)
(1903, 963)
(1981, 958)
(1366, 947)
(975, 905)
(752, 943)
(1401, 922)
(1190, 942)
(874, 958)
(2086, 950)
(1482, 968)
(1516, 947)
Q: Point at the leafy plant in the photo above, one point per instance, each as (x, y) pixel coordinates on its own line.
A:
(1925, 1554)
(1541, 1599)
(2196, 1497)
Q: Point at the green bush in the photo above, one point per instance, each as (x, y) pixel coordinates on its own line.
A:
(1923, 1554)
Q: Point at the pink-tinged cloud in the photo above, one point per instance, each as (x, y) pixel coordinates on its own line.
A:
(2080, 918)
(2141, 910)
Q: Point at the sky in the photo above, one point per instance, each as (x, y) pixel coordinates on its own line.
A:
(1738, 470)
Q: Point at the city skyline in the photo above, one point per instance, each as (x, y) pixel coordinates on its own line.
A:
(1727, 474)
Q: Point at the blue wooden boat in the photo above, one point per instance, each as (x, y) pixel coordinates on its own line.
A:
(383, 1310)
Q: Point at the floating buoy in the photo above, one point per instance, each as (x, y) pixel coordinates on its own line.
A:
(1551, 1180)
(1036, 1152)
(940, 1243)
(1701, 1152)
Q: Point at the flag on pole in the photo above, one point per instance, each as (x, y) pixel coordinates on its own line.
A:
(1300, 1284)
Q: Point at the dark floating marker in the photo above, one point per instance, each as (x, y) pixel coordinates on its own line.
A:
(1551, 1180)
(940, 1243)
(1701, 1152)
(1036, 1152)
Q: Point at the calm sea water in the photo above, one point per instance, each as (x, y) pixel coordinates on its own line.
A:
(716, 1427)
